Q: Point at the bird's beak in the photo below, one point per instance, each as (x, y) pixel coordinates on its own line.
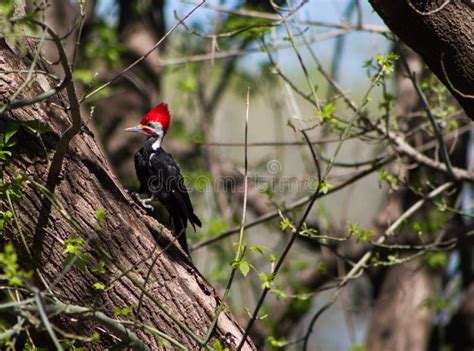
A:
(136, 129)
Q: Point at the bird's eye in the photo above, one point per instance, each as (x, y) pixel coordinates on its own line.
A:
(153, 125)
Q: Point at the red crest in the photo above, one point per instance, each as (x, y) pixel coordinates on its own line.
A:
(159, 114)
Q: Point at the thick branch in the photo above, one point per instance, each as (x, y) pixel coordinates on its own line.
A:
(441, 33)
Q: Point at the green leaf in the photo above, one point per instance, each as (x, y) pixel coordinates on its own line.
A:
(258, 249)
(189, 84)
(4, 217)
(417, 228)
(393, 259)
(276, 343)
(303, 296)
(99, 286)
(99, 267)
(354, 228)
(442, 205)
(375, 260)
(218, 345)
(73, 253)
(272, 258)
(73, 246)
(286, 223)
(327, 111)
(9, 132)
(100, 214)
(364, 235)
(436, 302)
(282, 296)
(244, 267)
(267, 280)
(69, 344)
(6, 9)
(437, 260)
(308, 231)
(9, 267)
(5, 154)
(29, 347)
(361, 235)
(161, 342)
(386, 62)
(85, 76)
(453, 125)
(124, 311)
(325, 186)
(389, 178)
(322, 267)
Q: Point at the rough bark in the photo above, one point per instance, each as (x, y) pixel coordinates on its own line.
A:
(126, 234)
(441, 33)
(400, 321)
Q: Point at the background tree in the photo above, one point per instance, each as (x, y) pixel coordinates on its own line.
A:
(334, 188)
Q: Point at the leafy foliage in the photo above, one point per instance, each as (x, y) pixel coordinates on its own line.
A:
(12, 273)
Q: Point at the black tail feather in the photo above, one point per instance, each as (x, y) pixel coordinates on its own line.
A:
(194, 220)
(180, 224)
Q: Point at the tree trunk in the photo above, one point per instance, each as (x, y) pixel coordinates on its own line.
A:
(441, 33)
(124, 239)
(400, 320)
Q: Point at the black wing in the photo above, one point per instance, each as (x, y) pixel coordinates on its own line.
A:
(142, 170)
(175, 195)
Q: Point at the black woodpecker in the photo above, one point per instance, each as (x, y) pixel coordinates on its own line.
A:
(159, 175)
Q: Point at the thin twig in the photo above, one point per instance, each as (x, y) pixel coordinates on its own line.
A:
(400, 144)
(303, 67)
(153, 298)
(322, 141)
(276, 17)
(29, 76)
(294, 205)
(253, 50)
(383, 160)
(79, 34)
(434, 124)
(113, 325)
(287, 249)
(358, 268)
(46, 323)
(240, 246)
(144, 56)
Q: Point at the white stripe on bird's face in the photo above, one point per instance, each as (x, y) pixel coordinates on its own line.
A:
(151, 129)
(159, 134)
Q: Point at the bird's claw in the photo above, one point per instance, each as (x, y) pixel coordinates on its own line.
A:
(144, 202)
